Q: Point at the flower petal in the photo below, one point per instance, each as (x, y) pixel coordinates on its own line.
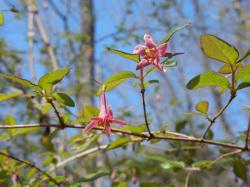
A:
(103, 106)
(139, 49)
(117, 121)
(107, 129)
(162, 49)
(157, 63)
(110, 113)
(149, 41)
(143, 63)
(91, 125)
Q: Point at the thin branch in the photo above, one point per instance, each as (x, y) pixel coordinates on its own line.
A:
(187, 179)
(62, 124)
(212, 121)
(79, 155)
(226, 155)
(31, 35)
(45, 39)
(144, 104)
(144, 135)
(31, 165)
(247, 135)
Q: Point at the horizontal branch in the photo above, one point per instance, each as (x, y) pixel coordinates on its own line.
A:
(173, 135)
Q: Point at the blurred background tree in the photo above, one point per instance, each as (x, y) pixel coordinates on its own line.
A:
(46, 34)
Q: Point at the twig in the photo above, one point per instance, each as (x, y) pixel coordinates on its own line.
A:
(79, 155)
(144, 104)
(62, 124)
(31, 35)
(247, 135)
(140, 135)
(187, 179)
(31, 165)
(212, 121)
(46, 41)
(226, 155)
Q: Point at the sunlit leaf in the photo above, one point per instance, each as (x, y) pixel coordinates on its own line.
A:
(173, 31)
(64, 99)
(194, 114)
(4, 97)
(209, 78)
(218, 49)
(1, 18)
(202, 107)
(118, 143)
(21, 81)
(119, 184)
(173, 165)
(203, 164)
(52, 78)
(134, 129)
(151, 184)
(89, 111)
(114, 80)
(244, 74)
(131, 56)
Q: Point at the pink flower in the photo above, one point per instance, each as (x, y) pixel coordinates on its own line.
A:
(105, 117)
(151, 53)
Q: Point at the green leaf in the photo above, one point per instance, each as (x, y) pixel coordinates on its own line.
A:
(151, 184)
(209, 78)
(202, 107)
(240, 169)
(114, 80)
(210, 135)
(203, 164)
(21, 81)
(52, 78)
(194, 114)
(169, 63)
(173, 31)
(244, 56)
(173, 165)
(180, 125)
(243, 74)
(243, 85)
(119, 184)
(89, 111)
(133, 57)
(218, 49)
(134, 129)
(146, 84)
(64, 99)
(1, 18)
(45, 108)
(118, 143)
(93, 176)
(4, 97)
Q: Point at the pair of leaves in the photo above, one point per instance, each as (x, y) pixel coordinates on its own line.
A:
(46, 83)
(115, 80)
